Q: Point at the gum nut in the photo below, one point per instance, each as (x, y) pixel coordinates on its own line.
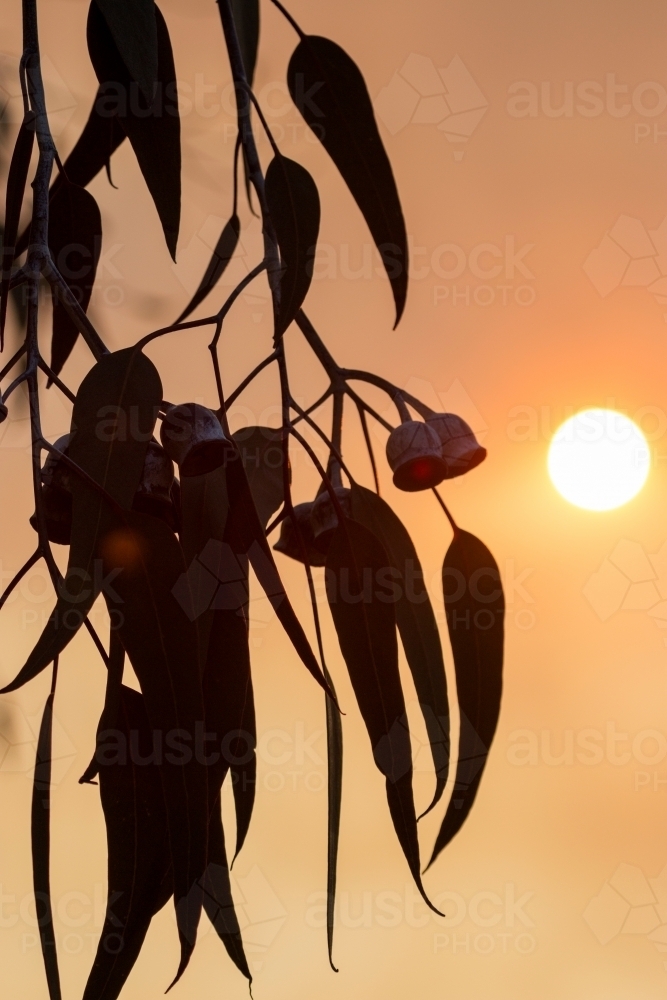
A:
(460, 448)
(57, 505)
(54, 472)
(324, 519)
(158, 474)
(289, 543)
(413, 453)
(193, 437)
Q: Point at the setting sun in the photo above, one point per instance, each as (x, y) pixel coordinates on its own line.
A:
(598, 459)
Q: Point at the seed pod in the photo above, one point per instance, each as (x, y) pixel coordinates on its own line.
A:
(154, 494)
(324, 519)
(413, 453)
(193, 437)
(289, 543)
(460, 448)
(56, 495)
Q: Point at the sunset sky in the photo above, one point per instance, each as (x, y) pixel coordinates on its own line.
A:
(534, 188)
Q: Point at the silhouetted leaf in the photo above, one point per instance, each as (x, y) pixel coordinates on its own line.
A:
(247, 528)
(101, 137)
(262, 455)
(41, 848)
(366, 625)
(329, 91)
(113, 420)
(334, 796)
(230, 708)
(475, 609)
(416, 623)
(18, 174)
(132, 24)
(143, 562)
(294, 206)
(139, 876)
(218, 901)
(246, 19)
(75, 240)
(203, 518)
(223, 253)
(153, 128)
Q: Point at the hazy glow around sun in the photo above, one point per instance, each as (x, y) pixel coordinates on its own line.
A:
(598, 459)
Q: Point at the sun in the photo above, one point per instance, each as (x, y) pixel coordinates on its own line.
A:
(598, 459)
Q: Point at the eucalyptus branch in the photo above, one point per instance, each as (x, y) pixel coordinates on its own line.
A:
(60, 287)
(455, 527)
(14, 385)
(314, 406)
(334, 451)
(248, 379)
(174, 328)
(241, 87)
(56, 381)
(27, 566)
(12, 361)
(328, 485)
(369, 445)
(368, 409)
(220, 318)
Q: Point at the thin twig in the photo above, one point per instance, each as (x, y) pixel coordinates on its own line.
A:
(318, 430)
(35, 557)
(455, 527)
(56, 381)
(248, 379)
(369, 445)
(12, 361)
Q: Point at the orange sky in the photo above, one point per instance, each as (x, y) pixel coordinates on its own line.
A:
(536, 193)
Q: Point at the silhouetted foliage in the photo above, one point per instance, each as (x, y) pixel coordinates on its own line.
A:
(172, 556)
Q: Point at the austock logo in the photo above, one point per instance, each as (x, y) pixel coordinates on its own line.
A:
(421, 94)
(630, 904)
(485, 923)
(19, 732)
(629, 256)
(630, 579)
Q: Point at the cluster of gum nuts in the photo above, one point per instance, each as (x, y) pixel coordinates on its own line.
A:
(421, 454)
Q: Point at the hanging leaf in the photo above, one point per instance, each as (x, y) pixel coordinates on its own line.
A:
(75, 240)
(218, 901)
(139, 876)
(246, 19)
(153, 127)
(365, 622)
(230, 710)
(223, 253)
(16, 181)
(203, 517)
(416, 623)
(113, 419)
(294, 207)
(475, 609)
(41, 848)
(329, 91)
(144, 564)
(247, 529)
(334, 797)
(263, 459)
(101, 137)
(132, 24)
